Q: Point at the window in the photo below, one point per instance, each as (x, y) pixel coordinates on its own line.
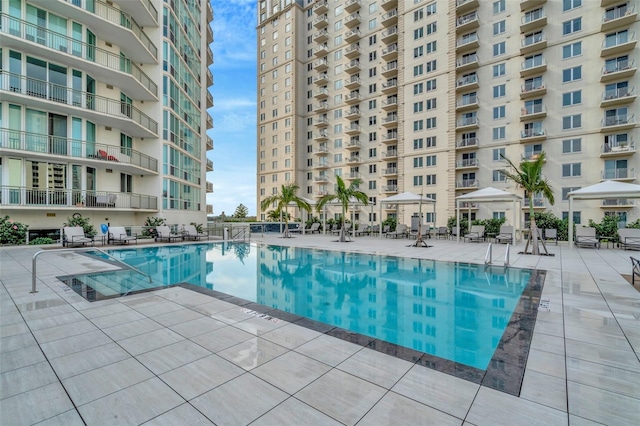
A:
(499, 27)
(571, 145)
(499, 91)
(431, 47)
(372, 184)
(431, 179)
(498, 176)
(570, 4)
(373, 152)
(571, 121)
(571, 170)
(431, 85)
(431, 160)
(417, 70)
(418, 33)
(572, 74)
(499, 133)
(373, 71)
(577, 216)
(499, 6)
(567, 190)
(498, 153)
(418, 51)
(372, 104)
(373, 23)
(571, 50)
(418, 15)
(499, 112)
(418, 143)
(417, 181)
(418, 125)
(417, 106)
(431, 66)
(430, 122)
(430, 103)
(373, 168)
(417, 88)
(373, 55)
(432, 28)
(499, 48)
(431, 9)
(430, 142)
(417, 162)
(572, 98)
(372, 40)
(499, 70)
(571, 26)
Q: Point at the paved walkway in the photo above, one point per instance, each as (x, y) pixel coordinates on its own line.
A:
(177, 357)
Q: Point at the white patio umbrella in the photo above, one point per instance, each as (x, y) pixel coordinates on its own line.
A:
(406, 198)
(487, 195)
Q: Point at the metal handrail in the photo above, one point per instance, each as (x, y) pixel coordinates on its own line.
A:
(35, 257)
(488, 258)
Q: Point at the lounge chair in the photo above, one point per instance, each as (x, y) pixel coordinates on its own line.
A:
(335, 229)
(476, 233)
(164, 233)
(442, 232)
(296, 230)
(385, 229)
(455, 231)
(74, 236)
(315, 227)
(635, 270)
(191, 233)
(118, 235)
(401, 231)
(505, 235)
(629, 238)
(363, 230)
(586, 237)
(551, 234)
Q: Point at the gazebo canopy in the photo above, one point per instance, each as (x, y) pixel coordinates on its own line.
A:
(407, 198)
(488, 194)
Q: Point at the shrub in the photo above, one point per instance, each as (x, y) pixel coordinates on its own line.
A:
(311, 220)
(392, 222)
(78, 220)
(11, 232)
(608, 228)
(635, 225)
(550, 221)
(491, 226)
(150, 226)
(464, 224)
(40, 241)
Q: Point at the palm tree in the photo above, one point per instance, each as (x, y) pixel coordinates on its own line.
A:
(528, 175)
(287, 196)
(274, 215)
(344, 195)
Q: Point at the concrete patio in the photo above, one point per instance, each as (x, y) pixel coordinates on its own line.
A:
(177, 357)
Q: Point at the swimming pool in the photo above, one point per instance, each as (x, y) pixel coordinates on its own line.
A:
(455, 311)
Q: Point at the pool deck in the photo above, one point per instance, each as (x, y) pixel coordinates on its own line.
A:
(178, 357)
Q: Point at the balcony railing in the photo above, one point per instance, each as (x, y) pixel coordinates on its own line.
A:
(467, 100)
(466, 60)
(537, 61)
(533, 39)
(618, 12)
(537, 202)
(469, 17)
(16, 83)
(533, 16)
(73, 148)
(467, 162)
(470, 79)
(467, 142)
(118, 17)
(619, 39)
(618, 147)
(533, 109)
(36, 197)
(390, 188)
(532, 133)
(617, 120)
(467, 183)
(68, 45)
(531, 86)
(618, 66)
(531, 156)
(620, 173)
(618, 202)
(618, 93)
(390, 153)
(390, 171)
(467, 121)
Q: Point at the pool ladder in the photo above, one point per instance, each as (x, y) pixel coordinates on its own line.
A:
(488, 258)
(76, 249)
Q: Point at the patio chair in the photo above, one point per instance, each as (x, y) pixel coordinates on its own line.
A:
(74, 236)
(635, 270)
(315, 227)
(118, 235)
(551, 234)
(586, 237)
(335, 229)
(363, 230)
(296, 230)
(454, 232)
(164, 233)
(442, 232)
(629, 238)
(191, 233)
(401, 231)
(476, 233)
(385, 229)
(505, 235)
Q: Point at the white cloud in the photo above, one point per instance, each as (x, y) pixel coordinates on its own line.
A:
(234, 32)
(233, 104)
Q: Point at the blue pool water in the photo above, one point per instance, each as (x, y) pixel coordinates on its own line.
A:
(455, 311)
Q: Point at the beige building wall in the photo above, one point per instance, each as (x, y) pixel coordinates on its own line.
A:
(425, 96)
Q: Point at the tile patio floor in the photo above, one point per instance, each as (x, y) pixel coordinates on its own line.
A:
(177, 357)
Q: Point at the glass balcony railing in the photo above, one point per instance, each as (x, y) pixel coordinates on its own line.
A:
(28, 196)
(618, 93)
(618, 146)
(467, 142)
(619, 173)
(618, 12)
(617, 66)
(617, 120)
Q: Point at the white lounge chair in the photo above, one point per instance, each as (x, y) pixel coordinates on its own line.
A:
(476, 233)
(74, 236)
(315, 227)
(586, 237)
(505, 235)
(118, 235)
(191, 233)
(401, 231)
(629, 238)
(164, 233)
(551, 234)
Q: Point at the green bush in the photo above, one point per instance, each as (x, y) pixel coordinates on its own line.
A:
(40, 241)
(13, 233)
(635, 225)
(78, 220)
(550, 221)
(491, 226)
(392, 222)
(608, 228)
(150, 226)
(464, 224)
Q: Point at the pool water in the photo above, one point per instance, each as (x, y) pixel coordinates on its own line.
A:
(455, 311)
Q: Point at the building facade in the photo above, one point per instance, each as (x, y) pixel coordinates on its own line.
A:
(103, 110)
(428, 96)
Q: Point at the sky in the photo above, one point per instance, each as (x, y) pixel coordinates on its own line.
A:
(234, 111)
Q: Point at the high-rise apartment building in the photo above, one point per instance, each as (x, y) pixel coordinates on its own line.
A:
(103, 110)
(427, 96)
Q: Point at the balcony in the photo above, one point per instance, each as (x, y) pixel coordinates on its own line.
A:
(390, 154)
(352, 82)
(320, 136)
(533, 89)
(97, 155)
(618, 149)
(353, 112)
(533, 20)
(389, 189)
(464, 6)
(320, 94)
(617, 122)
(390, 120)
(533, 42)
(467, 163)
(322, 165)
(619, 203)
(528, 4)
(354, 159)
(321, 79)
(209, 122)
(389, 35)
(532, 135)
(352, 67)
(467, 42)
(466, 103)
(467, 62)
(321, 107)
(23, 196)
(321, 122)
(390, 104)
(390, 86)
(622, 43)
(467, 184)
(468, 206)
(467, 82)
(353, 175)
(622, 174)
(209, 187)
(531, 66)
(538, 203)
(321, 150)
(467, 123)
(531, 156)
(352, 5)
(390, 137)
(321, 193)
(321, 178)
(388, 4)
(352, 20)
(390, 171)
(352, 98)
(321, 50)
(66, 101)
(618, 96)
(390, 18)
(321, 21)
(352, 36)
(618, 17)
(209, 143)
(321, 36)
(209, 78)
(143, 10)
(467, 143)
(532, 112)
(467, 22)
(353, 144)
(353, 51)
(320, 65)
(390, 70)
(390, 52)
(321, 7)
(353, 129)
(101, 64)
(209, 166)
(618, 70)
